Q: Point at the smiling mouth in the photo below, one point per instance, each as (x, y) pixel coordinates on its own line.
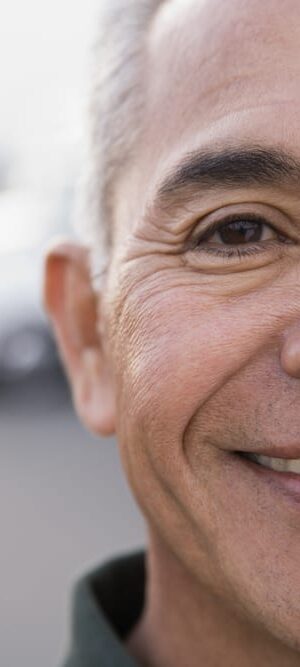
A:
(282, 465)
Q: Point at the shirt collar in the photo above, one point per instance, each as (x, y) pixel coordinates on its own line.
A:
(107, 604)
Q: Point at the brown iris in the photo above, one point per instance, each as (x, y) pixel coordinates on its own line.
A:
(240, 231)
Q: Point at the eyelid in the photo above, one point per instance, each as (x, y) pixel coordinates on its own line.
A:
(217, 225)
(269, 215)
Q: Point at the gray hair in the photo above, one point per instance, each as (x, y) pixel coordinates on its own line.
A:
(115, 107)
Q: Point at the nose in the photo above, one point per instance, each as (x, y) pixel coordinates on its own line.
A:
(290, 353)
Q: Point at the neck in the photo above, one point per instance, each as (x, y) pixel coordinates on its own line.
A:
(181, 618)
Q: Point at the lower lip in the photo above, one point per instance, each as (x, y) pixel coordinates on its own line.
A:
(287, 483)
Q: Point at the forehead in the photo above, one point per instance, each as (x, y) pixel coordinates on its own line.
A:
(219, 71)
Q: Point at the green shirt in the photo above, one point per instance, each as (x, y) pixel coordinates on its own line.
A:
(107, 605)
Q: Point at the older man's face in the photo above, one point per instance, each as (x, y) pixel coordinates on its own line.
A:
(201, 309)
(203, 301)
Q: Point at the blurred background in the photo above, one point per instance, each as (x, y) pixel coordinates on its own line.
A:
(64, 503)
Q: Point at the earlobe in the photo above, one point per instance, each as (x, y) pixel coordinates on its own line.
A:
(93, 395)
(75, 312)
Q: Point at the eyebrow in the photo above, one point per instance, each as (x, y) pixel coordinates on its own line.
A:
(229, 167)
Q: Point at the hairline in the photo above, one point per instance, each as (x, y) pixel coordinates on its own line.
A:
(116, 102)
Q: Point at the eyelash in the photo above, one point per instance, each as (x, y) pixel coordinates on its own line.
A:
(240, 252)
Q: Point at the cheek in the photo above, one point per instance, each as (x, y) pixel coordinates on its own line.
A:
(178, 350)
(258, 405)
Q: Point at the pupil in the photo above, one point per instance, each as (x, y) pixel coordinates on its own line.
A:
(241, 231)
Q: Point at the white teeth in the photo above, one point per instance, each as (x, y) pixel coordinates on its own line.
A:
(279, 465)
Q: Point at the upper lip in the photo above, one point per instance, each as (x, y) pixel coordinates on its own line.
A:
(276, 452)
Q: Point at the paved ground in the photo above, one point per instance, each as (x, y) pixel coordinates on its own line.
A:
(63, 508)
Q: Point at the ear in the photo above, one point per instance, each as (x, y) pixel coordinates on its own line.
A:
(75, 312)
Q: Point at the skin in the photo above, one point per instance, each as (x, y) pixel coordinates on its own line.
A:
(189, 357)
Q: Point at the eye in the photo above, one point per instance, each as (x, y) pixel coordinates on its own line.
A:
(239, 232)
(240, 237)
